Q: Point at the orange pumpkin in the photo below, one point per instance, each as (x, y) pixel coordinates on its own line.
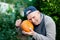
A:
(26, 25)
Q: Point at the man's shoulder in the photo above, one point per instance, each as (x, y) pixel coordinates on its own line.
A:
(48, 19)
(45, 16)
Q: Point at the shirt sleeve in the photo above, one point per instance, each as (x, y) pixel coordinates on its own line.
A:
(50, 29)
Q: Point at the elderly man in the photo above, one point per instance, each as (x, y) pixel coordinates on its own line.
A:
(44, 26)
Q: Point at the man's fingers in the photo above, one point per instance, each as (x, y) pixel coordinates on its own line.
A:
(28, 33)
(18, 22)
(31, 29)
(24, 32)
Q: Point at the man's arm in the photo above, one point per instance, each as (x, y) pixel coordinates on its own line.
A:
(50, 29)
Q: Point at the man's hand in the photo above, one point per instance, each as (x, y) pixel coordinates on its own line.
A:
(28, 33)
(18, 22)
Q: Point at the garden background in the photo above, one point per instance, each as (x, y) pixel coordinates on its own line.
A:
(11, 10)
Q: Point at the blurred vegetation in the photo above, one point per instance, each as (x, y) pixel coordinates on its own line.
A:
(7, 20)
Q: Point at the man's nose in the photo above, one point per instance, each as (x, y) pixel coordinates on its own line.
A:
(33, 20)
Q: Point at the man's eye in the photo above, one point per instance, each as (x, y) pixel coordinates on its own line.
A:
(33, 17)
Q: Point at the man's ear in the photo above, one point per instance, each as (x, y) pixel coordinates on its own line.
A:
(38, 11)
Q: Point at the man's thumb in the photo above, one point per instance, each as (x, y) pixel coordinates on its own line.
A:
(31, 29)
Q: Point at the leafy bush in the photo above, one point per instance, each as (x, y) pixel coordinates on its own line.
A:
(7, 27)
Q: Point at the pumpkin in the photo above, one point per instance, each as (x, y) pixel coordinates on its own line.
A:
(26, 25)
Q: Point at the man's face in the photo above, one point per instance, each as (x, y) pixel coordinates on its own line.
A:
(34, 17)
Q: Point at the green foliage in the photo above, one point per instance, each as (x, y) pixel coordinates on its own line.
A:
(7, 27)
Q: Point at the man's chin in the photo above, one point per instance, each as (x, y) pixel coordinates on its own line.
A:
(35, 24)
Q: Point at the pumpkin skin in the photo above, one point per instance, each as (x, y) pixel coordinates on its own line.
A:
(26, 25)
